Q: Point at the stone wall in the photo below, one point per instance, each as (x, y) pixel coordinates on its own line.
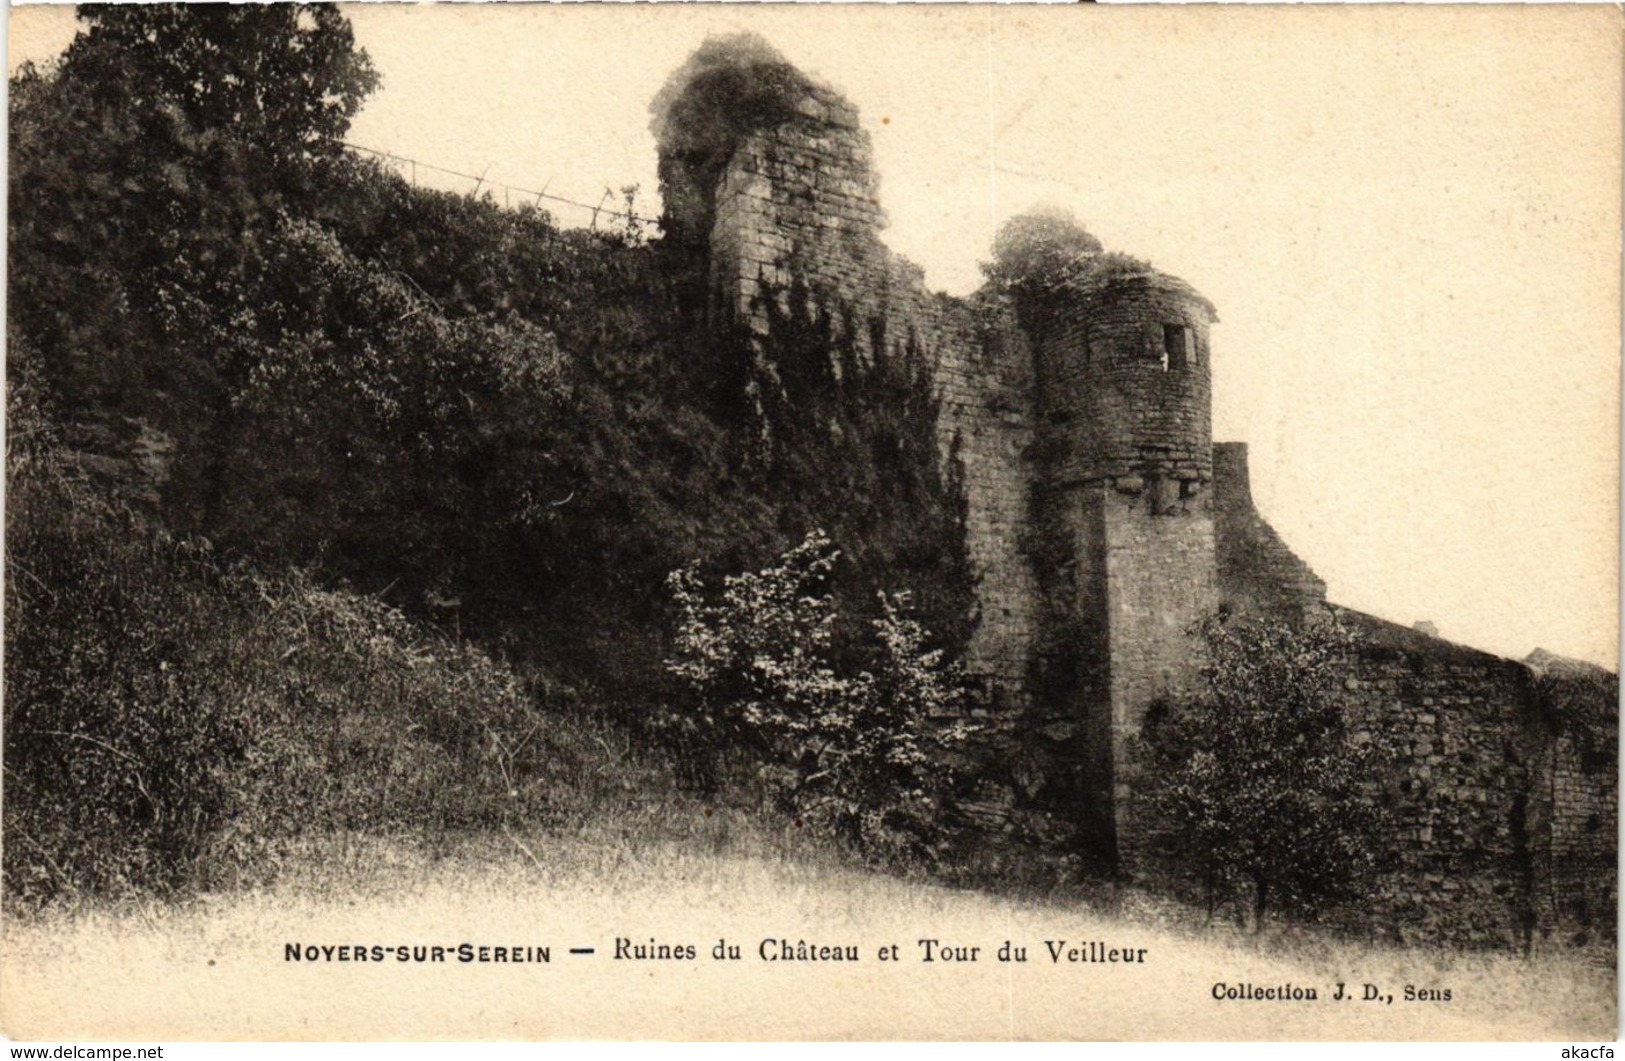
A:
(1258, 573)
(985, 427)
(798, 201)
(797, 217)
(1502, 795)
(1575, 803)
(1463, 725)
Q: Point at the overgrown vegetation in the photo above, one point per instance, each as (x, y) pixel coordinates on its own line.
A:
(1261, 789)
(175, 721)
(1046, 248)
(858, 755)
(848, 444)
(286, 430)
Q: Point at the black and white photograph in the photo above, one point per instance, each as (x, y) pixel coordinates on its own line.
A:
(811, 522)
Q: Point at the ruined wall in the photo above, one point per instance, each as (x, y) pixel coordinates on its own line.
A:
(1575, 803)
(798, 201)
(1504, 782)
(1503, 826)
(797, 216)
(985, 426)
(1258, 573)
(1458, 859)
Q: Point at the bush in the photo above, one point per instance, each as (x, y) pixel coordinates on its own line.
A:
(850, 753)
(113, 773)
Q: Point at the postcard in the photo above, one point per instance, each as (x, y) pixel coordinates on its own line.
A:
(812, 522)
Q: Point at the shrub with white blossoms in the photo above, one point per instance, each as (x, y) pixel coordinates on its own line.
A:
(850, 752)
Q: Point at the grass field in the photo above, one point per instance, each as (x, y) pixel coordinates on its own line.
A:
(217, 968)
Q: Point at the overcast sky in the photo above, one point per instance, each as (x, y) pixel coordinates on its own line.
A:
(1408, 218)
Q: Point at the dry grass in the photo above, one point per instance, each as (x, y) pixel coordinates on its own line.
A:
(215, 968)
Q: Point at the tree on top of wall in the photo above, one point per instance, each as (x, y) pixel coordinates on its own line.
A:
(1046, 247)
(730, 87)
(1258, 787)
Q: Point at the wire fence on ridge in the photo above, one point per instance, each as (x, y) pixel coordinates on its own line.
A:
(511, 194)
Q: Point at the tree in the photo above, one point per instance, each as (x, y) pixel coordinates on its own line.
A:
(151, 172)
(1258, 785)
(1043, 242)
(1046, 247)
(146, 167)
(285, 78)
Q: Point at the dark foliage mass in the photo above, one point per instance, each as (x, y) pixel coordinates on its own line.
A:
(272, 382)
(1039, 255)
(1042, 245)
(285, 79)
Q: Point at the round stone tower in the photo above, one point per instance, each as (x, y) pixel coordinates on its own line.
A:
(1124, 374)
(1143, 367)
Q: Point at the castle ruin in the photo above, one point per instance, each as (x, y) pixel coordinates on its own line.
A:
(1102, 521)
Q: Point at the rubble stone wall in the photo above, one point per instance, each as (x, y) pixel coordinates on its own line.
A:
(797, 217)
(1503, 827)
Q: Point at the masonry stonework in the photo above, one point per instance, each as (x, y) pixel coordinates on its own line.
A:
(797, 216)
(1258, 573)
(1102, 521)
